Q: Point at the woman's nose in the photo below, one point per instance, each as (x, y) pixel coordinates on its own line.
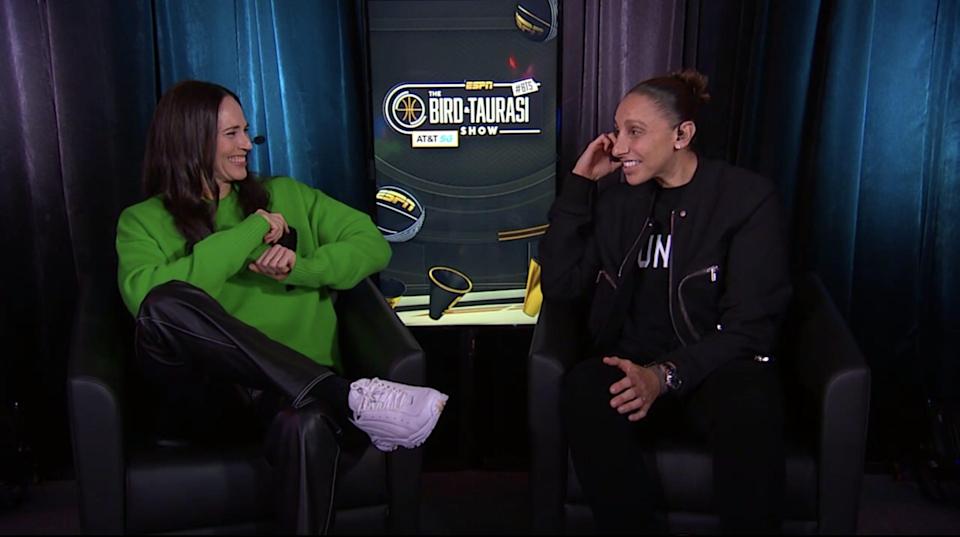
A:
(619, 146)
(245, 142)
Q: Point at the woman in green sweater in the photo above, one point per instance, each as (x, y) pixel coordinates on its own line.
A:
(229, 280)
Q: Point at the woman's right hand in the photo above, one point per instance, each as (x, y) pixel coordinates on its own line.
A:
(278, 226)
(597, 159)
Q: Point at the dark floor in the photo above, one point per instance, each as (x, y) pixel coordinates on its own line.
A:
(495, 502)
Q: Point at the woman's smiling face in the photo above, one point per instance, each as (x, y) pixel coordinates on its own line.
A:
(646, 139)
(233, 143)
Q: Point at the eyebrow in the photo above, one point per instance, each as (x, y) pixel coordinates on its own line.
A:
(225, 129)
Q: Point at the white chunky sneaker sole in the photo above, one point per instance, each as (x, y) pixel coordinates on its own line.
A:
(388, 433)
(438, 402)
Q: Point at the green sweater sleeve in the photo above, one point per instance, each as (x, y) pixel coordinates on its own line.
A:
(143, 263)
(350, 247)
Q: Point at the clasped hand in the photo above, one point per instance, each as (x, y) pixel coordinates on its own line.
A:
(636, 391)
(277, 261)
(278, 226)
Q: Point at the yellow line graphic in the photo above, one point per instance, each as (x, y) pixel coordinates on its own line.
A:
(514, 234)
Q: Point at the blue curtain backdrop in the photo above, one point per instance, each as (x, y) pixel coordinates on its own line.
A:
(940, 239)
(296, 66)
(78, 85)
(852, 108)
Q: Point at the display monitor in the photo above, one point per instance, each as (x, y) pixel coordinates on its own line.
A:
(464, 110)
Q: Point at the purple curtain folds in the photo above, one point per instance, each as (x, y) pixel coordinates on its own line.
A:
(77, 86)
(607, 47)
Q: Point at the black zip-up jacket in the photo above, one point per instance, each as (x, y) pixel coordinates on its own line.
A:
(729, 277)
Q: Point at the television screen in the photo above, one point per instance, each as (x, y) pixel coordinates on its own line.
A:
(463, 97)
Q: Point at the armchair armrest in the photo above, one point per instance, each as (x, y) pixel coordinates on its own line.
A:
(375, 343)
(556, 346)
(94, 384)
(373, 340)
(833, 378)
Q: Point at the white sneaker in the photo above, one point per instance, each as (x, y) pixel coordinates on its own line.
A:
(394, 414)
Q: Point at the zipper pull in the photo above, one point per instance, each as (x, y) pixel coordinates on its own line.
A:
(713, 273)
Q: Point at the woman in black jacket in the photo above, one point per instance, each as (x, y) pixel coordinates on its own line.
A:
(683, 263)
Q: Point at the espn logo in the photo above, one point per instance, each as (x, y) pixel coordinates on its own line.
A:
(395, 198)
(473, 85)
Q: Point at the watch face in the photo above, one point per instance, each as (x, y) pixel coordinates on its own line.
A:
(671, 378)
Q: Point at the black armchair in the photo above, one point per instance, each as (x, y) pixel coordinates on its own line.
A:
(827, 389)
(130, 486)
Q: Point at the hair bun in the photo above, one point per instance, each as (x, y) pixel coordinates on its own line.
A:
(696, 81)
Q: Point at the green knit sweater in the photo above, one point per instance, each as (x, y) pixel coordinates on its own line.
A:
(337, 246)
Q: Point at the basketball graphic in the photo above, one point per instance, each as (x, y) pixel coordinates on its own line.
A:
(399, 214)
(537, 19)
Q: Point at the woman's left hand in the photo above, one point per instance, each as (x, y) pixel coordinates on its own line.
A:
(276, 262)
(636, 391)
(278, 226)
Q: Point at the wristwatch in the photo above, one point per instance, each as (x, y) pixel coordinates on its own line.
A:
(671, 379)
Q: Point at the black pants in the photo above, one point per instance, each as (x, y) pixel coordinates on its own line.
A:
(737, 411)
(194, 354)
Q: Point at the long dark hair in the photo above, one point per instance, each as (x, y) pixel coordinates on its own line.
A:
(179, 159)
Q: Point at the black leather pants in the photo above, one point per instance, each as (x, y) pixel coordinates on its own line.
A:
(189, 347)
